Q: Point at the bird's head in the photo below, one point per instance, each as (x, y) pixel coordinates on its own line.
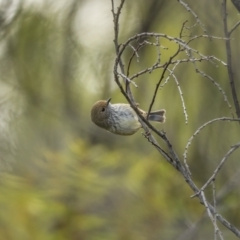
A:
(100, 111)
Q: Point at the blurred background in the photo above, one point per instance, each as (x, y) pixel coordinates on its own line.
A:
(64, 178)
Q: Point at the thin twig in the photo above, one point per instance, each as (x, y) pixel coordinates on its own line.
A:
(135, 53)
(229, 60)
(216, 85)
(161, 78)
(128, 80)
(181, 96)
(213, 177)
(200, 128)
(215, 208)
(194, 14)
(233, 28)
(210, 214)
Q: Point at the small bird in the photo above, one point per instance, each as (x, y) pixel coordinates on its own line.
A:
(236, 3)
(120, 118)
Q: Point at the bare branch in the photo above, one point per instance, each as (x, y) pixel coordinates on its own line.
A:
(198, 131)
(193, 56)
(234, 28)
(135, 53)
(217, 85)
(180, 93)
(127, 79)
(194, 14)
(229, 60)
(217, 231)
(215, 207)
(213, 177)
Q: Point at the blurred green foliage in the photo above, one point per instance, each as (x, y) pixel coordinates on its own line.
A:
(71, 180)
(93, 193)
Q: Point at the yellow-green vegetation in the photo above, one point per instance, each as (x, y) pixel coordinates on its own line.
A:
(64, 178)
(94, 193)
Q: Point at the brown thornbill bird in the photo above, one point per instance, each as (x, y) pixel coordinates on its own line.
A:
(236, 3)
(120, 118)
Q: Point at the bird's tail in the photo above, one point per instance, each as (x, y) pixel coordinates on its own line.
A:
(157, 116)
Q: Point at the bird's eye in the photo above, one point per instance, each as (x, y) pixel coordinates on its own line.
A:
(103, 110)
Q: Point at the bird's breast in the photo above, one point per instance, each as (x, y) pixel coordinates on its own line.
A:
(123, 121)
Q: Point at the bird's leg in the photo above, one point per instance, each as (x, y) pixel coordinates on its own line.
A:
(147, 133)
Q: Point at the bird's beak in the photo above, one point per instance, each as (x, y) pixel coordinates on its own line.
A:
(108, 101)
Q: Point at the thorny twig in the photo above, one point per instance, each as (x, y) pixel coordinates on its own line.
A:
(213, 177)
(210, 214)
(198, 131)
